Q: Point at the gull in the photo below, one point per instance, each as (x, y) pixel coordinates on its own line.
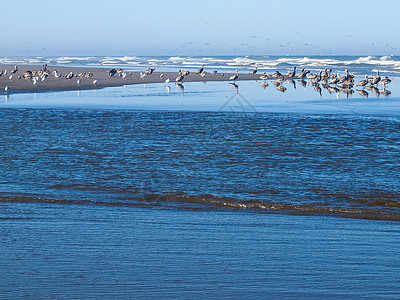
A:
(94, 82)
(78, 82)
(167, 80)
(10, 77)
(161, 76)
(6, 89)
(35, 80)
(14, 70)
(264, 76)
(203, 74)
(234, 77)
(213, 72)
(69, 75)
(56, 75)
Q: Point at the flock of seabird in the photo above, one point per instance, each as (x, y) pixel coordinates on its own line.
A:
(333, 82)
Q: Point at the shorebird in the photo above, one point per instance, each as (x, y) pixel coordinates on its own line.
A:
(364, 82)
(27, 75)
(167, 80)
(375, 80)
(385, 81)
(112, 72)
(179, 78)
(276, 74)
(6, 89)
(78, 82)
(94, 82)
(186, 73)
(200, 70)
(254, 71)
(56, 75)
(264, 85)
(70, 75)
(35, 80)
(234, 77)
(213, 72)
(203, 74)
(161, 76)
(334, 78)
(264, 76)
(89, 75)
(290, 75)
(14, 70)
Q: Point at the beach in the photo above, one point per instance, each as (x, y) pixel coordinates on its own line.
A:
(101, 75)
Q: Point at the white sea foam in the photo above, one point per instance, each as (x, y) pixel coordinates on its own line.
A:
(363, 64)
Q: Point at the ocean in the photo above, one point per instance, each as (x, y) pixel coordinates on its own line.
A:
(202, 190)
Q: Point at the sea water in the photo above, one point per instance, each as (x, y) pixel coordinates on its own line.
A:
(213, 190)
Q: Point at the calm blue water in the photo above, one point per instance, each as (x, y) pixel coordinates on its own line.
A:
(209, 191)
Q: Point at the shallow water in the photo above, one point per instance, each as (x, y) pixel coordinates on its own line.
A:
(154, 192)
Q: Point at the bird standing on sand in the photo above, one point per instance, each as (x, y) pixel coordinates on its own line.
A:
(200, 70)
(78, 82)
(6, 89)
(234, 77)
(254, 71)
(167, 80)
(94, 82)
(179, 78)
(14, 70)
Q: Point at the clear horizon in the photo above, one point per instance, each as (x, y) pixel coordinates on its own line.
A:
(101, 28)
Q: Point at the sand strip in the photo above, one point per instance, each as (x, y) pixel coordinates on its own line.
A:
(100, 78)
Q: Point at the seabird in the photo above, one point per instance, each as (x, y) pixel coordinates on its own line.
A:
(234, 77)
(290, 75)
(264, 76)
(70, 75)
(94, 82)
(6, 89)
(213, 72)
(264, 85)
(78, 82)
(161, 76)
(254, 71)
(364, 82)
(167, 80)
(376, 79)
(385, 81)
(179, 78)
(112, 72)
(200, 70)
(203, 74)
(14, 70)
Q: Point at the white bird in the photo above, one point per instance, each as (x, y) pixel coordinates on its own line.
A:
(167, 80)
(95, 82)
(10, 77)
(78, 82)
(161, 76)
(6, 88)
(35, 80)
(234, 77)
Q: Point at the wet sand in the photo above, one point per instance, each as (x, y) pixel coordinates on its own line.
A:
(16, 84)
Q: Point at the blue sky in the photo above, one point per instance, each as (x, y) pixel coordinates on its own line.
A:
(122, 27)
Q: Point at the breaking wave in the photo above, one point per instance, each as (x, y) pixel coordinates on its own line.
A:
(364, 64)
